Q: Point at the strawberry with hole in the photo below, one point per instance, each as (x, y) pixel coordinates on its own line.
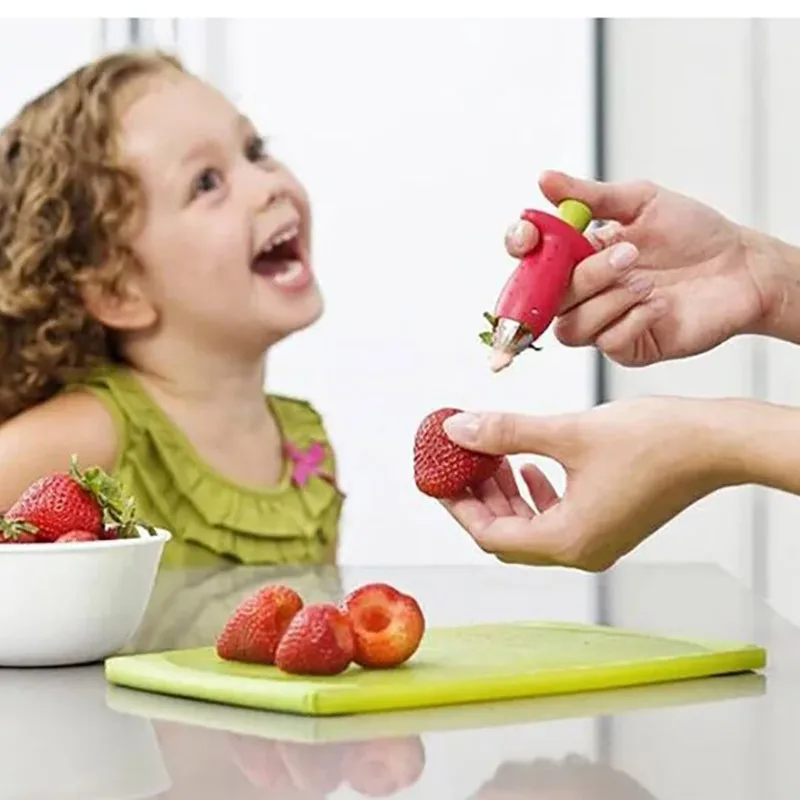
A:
(78, 536)
(443, 469)
(255, 628)
(319, 641)
(388, 625)
(75, 500)
(15, 532)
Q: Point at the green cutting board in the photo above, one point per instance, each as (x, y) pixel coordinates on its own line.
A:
(454, 665)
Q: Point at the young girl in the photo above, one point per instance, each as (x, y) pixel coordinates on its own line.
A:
(151, 253)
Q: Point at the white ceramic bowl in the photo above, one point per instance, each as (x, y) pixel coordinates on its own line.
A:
(74, 603)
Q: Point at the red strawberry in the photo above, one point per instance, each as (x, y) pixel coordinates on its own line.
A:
(255, 628)
(17, 532)
(78, 536)
(69, 501)
(319, 641)
(388, 625)
(441, 467)
(57, 505)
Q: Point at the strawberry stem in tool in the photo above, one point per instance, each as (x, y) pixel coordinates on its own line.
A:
(487, 337)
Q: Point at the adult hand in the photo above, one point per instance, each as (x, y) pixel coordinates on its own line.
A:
(672, 277)
(630, 467)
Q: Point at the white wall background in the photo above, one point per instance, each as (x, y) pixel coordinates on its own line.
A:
(416, 164)
(419, 141)
(686, 122)
(778, 163)
(47, 49)
(717, 124)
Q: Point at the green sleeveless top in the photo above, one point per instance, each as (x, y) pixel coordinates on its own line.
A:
(212, 519)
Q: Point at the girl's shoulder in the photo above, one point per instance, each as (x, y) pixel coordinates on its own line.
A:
(295, 413)
(42, 439)
(302, 428)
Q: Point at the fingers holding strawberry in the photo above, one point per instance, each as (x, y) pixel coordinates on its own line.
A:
(442, 468)
(631, 466)
(501, 494)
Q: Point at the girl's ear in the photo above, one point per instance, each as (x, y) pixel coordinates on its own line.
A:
(126, 307)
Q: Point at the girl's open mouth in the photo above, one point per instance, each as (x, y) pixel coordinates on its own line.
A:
(280, 260)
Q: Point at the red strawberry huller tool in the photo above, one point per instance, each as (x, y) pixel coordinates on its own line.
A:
(535, 290)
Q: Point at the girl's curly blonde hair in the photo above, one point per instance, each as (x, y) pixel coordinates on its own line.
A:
(66, 204)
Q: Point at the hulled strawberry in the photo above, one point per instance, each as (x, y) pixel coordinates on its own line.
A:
(319, 641)
(442, 468)
(388, 625)
(73, 501)
(255, 628)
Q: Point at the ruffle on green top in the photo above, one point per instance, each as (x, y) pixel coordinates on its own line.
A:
(210, 517)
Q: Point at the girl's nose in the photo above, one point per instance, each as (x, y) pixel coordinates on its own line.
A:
(267, 188)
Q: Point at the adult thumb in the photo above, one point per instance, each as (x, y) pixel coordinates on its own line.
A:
(622, 202)
(509, 434)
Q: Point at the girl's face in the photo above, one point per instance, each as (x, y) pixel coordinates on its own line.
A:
(225, 235)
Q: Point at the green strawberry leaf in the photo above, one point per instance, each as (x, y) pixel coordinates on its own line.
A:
(119, 508)
(14, 528)
(486, 336)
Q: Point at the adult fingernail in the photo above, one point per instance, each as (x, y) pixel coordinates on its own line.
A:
(605, 234)
(463, 426)
(622, 255)
(520, 234)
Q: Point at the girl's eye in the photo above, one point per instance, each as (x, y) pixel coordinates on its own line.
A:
(256, 149)
(207, 181)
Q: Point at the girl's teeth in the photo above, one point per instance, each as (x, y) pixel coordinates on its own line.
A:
(290, 273)
(284, 237)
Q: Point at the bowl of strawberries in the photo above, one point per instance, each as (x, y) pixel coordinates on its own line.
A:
(77, 569)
